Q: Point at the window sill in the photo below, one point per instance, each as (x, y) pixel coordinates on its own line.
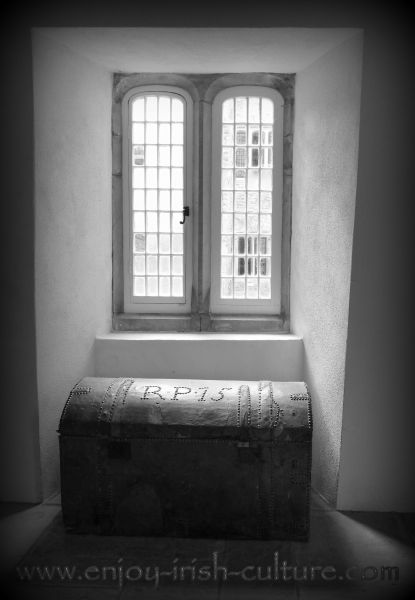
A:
(200, 355)
(200, 323)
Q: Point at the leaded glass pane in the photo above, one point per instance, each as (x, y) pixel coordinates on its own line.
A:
(151, 243)
(151, 177)
(138, 109)
(252, 223)
(177, 286)
(246, 191)
(151, 108)
(164, 134)
(265, 288)
(151, 200)
(165, 244)
(138, 177)
(164, 109)
(164, 178)
(177, 178)
(227, 158)
(176, 225)
(138, 156)
(138, 200)
(176, 110)
(254, 110)
(239, 287)
(151, 156)
(226, 288)
(177, 156)
(228, 111)
(151, 133)
(164, 156)
(226, 266)
(240, 110)
(227, 201)
(139, 221)
(152, 286)
(152, 266)
(267, 115)
(139, 242)
(138, 133)
(151, 221)
(227, 223)
(139, 286)
(252, 288)
(177, 199)
(227, 135)
(177, 133)
(164, 200)
(177, 265)
(164, 286)
(253, 202)
(227, 245)
(177, 243)
(240, 179)
(164, 224)
(240, 202)
(240, 157)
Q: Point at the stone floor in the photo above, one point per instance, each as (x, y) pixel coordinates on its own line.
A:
(164, 568)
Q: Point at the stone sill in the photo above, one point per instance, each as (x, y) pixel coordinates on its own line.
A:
(197, 335)
(206, 323)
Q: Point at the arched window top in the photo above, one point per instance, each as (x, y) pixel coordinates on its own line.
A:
(265, 94)
(157, 107)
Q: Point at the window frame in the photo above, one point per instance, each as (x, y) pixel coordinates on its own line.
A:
(159, 304)
(202, 89)
(219, 305)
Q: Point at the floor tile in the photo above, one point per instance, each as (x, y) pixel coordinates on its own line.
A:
(367, 592)
(18, 532)
(253, 570)
(172, 592)
(37, 592)
(256, 592)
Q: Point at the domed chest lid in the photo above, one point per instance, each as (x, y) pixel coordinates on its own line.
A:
(173, 408)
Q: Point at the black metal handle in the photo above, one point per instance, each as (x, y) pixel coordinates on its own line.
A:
(186, 213)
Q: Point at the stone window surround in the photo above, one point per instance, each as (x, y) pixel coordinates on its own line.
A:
(202, 88)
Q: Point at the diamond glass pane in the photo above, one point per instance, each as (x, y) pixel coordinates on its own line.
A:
(157, 178)
(247, 130)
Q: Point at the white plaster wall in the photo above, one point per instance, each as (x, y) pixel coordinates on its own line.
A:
(327, 105)
(72, 108)
(200, 356)
(378, 443)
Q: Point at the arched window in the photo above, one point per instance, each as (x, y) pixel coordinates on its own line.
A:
(157, 150)
(247, 181)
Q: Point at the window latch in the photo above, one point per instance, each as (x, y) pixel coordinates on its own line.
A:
(186, 213)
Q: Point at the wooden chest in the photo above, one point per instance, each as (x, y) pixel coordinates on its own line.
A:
(224, 459)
